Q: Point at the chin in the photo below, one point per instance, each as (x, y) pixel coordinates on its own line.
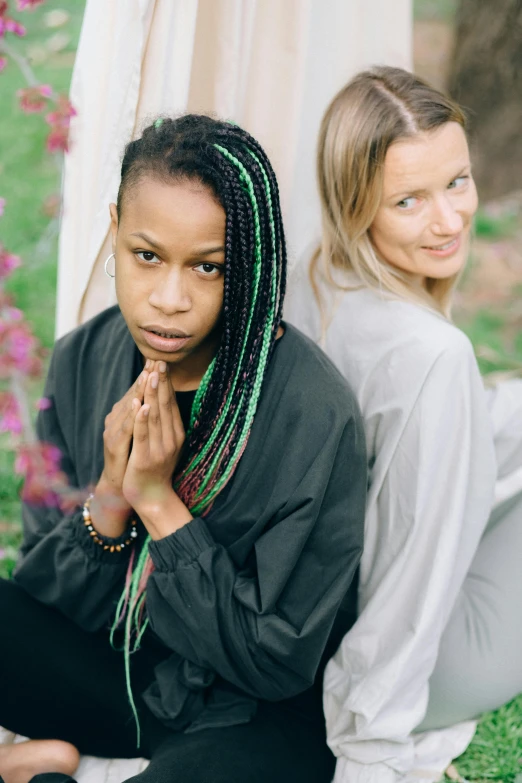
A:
(453, 267)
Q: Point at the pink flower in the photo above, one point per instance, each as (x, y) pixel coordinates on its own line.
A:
(23, 4)
(64, 111)
(58, 140)
(39, 463)
(13, 313)
(12, 26)
(34, 99)
(8, 25)
(3, 63)
(8, 262)
(19, 348)
(43, 404)
(2, 206)
(59, 121)
(10, 414)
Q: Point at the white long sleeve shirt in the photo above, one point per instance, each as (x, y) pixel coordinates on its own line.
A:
(432, 460)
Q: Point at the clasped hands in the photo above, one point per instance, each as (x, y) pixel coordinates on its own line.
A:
(142, 443)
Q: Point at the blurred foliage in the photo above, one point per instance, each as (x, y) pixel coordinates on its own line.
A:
(434, 10)
(490, 226)
(27, 174)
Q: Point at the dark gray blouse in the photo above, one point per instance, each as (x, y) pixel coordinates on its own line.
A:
(246, 597)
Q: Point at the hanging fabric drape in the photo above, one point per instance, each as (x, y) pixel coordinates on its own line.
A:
(268, 65)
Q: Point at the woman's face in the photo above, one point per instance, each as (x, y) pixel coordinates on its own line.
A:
(170, 257)
(428, 202)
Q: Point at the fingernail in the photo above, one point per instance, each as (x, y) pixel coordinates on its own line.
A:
(141, 379)
(154, 380)
(147, 364)
(146, 410)
(162, 366)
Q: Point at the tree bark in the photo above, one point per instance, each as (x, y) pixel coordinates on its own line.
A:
(486, 79)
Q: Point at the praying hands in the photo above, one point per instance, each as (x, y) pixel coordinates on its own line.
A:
(143, 438)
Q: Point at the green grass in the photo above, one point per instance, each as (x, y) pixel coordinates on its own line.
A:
(495, 351)
(10, 534)
(434, 10)
(496, 751)
(28, 175)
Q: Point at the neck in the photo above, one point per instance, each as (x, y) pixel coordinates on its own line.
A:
(187, 374)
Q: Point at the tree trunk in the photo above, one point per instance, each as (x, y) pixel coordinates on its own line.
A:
(486, 78)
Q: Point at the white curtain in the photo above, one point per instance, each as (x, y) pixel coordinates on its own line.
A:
(270, 65)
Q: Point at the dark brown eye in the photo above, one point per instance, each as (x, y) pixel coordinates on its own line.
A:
(208, 270)
(146, 255)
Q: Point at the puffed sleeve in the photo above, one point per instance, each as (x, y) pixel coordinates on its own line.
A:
(423, 527)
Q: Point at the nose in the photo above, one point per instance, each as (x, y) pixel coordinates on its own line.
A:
(170, 294)
(446, 219)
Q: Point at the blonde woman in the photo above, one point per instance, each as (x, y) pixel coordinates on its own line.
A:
(438, 638)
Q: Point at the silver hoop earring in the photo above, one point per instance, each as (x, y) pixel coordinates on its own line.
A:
(112, 255)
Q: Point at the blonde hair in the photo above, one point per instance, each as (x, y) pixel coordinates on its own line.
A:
(373, 111)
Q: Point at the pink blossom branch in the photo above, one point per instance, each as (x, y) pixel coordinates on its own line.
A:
(21, 61)
(20, 351)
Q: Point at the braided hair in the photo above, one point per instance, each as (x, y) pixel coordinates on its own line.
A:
(228, 161)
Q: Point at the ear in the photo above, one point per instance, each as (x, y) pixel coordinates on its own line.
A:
(114, 225)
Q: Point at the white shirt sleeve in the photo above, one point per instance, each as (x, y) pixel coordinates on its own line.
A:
(425, 519)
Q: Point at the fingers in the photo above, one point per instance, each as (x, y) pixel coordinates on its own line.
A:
(127, 425)
(138, 387)
(116, 418)
(118, 433)
(166, 403)
(141, 441)
(165, 425)
(154, 421)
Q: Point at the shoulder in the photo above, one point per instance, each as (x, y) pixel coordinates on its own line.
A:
(372, 336)
(314, 383)
(99, 333)
(425, 334)
(354, 323)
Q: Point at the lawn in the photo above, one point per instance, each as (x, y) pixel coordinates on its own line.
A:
(487, 306)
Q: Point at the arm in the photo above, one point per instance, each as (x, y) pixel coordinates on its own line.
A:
(59, 564)
(263, 626)
(423, 527)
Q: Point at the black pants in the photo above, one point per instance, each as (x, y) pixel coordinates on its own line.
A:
(59, 682)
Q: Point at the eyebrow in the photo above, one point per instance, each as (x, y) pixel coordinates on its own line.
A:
(149, 241)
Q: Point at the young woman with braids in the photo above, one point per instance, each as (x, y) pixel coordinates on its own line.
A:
(438, 638)
(225, 525)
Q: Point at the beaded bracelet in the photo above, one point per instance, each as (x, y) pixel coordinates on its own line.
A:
(101, 540)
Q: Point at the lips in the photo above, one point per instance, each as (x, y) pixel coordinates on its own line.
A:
(163, 331)
(164, 341)
(445, 249)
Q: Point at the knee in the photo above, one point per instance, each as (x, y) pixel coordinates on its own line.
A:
(468, 682)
